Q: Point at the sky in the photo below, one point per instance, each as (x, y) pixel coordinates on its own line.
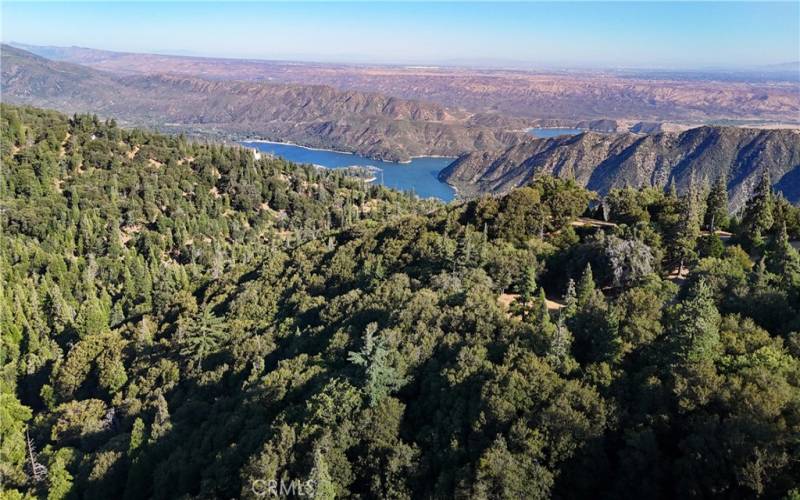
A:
(546, 34)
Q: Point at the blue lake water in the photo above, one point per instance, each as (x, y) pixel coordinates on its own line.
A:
(419, 176)
(543, 133)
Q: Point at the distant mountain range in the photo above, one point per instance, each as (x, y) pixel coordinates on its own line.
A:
(495, 154)
(602, 162)
(741, 97)
(367, 123)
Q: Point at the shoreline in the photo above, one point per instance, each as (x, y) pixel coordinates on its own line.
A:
(283, 143)
(368, 180)
(445, 157)
(580, 129)
(287, 143)
(556, 128)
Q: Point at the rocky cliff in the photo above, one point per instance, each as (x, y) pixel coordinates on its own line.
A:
(602, 162)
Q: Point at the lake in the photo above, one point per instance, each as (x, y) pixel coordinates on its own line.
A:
(419, 176)
(543, 133)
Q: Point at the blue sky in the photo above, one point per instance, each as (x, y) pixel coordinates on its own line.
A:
(641, 34)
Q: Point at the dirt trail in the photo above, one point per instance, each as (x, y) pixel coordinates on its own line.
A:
(506, 299)
(62, 152)
(723, 235)
(585, 221)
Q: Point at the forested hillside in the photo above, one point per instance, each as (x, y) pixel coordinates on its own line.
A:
(183, 320)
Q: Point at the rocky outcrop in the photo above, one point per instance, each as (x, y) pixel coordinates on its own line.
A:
(601, 162)
(646, 128)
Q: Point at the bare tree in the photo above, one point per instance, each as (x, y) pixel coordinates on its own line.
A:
(37, 471)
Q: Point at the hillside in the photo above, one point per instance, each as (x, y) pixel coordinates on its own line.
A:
(601, 162)
(181, 320)
(560, 98)
(312, 115)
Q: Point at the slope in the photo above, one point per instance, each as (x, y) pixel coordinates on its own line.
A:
(601, 162)
(312, 115)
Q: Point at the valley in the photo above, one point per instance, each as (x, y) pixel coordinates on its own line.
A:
(479, 250)
(498, 146)
(371, 124)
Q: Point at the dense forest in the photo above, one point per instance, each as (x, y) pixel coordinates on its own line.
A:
(185, 320)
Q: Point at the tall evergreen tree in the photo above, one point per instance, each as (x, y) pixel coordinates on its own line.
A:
(694, 329)
(382, 378)
(717, 204)
(688, 228)
(540, 315)
(323, 487)
(757, 218)
(560, 346)
(586, 287)
(784, 260)
(672, 190)
(527, 293)
(201, 336)
(570, 300)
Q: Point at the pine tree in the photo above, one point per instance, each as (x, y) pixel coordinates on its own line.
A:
(201, 337)
(527, 293)
(672, 191)
(759, 277)
(570, 300)
(717, 205)
(463, 256)
(699, 192)
(695, 326)
(381, 377)
(560, 345)
(594, 327)
(323, 487)
(784, 260)
(60, 315)
(586, 287)
(137, 438)
(59, 480)
(13, 451)
(15, 126)
(757, 218)
(540, 316)
(162, 421)
(609, 346)
(681, 247)
(92, 319)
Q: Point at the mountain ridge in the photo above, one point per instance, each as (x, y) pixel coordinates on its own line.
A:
(602, 162)
(689, 98)
(492, 156)
(367, 123)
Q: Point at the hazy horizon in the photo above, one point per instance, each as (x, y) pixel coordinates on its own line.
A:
(486, 63)
(641, 35)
